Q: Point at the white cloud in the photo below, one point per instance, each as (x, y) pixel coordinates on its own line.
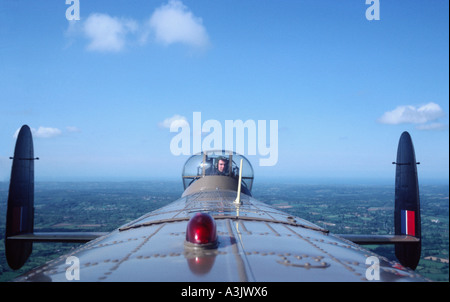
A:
(46, 132)
(4, 168)
(432, 126)
(412, 115)
(107, 33)
(178, 120)
(73, 129)
(170, 23)
(42, 132)
(174, 23)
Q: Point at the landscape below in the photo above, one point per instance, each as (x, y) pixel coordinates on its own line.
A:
(342, 209)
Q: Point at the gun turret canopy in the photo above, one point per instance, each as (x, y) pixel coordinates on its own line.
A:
(208, 165)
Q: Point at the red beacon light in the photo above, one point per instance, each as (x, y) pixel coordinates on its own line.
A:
(201, 231)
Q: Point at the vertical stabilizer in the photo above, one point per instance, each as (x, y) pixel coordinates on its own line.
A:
(20, 211)
(407, 203)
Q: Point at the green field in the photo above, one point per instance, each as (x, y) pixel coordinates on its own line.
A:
(343, 209)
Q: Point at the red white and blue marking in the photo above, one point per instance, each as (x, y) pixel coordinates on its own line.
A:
(408, 220)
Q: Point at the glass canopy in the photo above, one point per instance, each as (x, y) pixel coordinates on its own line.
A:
(225, 163)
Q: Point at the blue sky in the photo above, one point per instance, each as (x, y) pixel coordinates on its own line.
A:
(99, 91)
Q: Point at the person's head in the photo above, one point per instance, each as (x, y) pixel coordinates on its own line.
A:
(221, 165)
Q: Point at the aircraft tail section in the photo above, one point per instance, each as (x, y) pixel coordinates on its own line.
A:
(407, 203)
(20, 209)
(407, 224)
(20, 235)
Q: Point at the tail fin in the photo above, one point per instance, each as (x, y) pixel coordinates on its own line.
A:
(407, 203)
(20, 209)
(19, 235)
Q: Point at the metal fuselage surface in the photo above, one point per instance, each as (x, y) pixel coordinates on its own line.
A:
(256, 242)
